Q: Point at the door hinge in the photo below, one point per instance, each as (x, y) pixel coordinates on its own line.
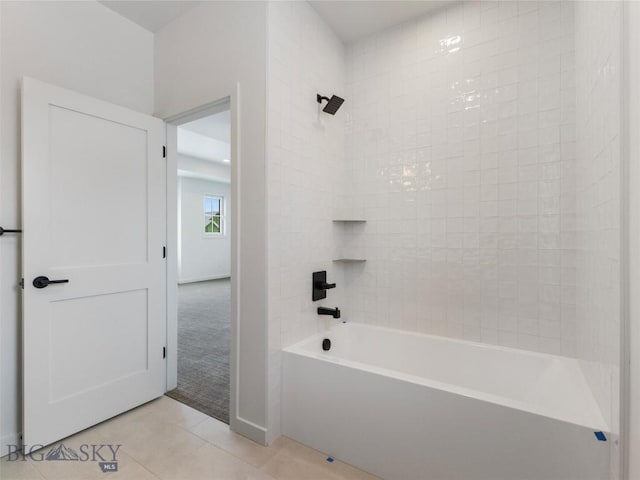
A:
(22, 283)
(164, 352)
(164, 151)
(164, 252)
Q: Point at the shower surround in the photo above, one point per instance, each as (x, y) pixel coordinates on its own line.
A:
(492, 215)
(485, 150)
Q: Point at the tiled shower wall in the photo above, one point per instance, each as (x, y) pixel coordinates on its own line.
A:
(307, 170)
(598, 113)
(461, 140)
(488, 217)
(492, 215)
(306, 176)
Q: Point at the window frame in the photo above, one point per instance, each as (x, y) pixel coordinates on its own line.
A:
(221, 214)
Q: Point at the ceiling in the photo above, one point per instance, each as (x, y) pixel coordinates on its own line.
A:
(150, 14)
(350, 19)
(207, 138)
(356, 19)
(216, 126)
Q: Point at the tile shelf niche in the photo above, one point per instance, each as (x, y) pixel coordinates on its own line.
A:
(347, 230)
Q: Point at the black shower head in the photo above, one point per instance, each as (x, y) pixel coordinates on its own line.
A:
(333, 103)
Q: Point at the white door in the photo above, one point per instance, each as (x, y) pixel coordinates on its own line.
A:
(93, 183)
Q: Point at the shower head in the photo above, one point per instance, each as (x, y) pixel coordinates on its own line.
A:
(333, 103)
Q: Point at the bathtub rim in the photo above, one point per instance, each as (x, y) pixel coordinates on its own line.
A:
(595, 421)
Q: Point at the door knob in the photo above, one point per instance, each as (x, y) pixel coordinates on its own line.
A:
(42, 281)
(9, 230)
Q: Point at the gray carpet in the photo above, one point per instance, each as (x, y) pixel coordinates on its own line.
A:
(204, 336)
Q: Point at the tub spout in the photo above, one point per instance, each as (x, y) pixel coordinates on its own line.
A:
(334, 312)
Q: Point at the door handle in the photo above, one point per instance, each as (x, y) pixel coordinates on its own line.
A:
(9, 230)
(42, 281)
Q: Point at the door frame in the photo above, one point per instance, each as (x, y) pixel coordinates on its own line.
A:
(233, 213)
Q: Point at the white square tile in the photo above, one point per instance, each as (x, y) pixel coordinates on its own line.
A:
(515, 176)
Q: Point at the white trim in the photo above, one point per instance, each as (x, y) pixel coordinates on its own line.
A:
(205, 110)
(183, 281)
(630, 251)
(236, 423)
(173, 254)
(250, 430)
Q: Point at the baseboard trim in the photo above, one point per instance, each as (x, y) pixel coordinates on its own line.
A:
(250, 430)
(203, 279)
(9, 439)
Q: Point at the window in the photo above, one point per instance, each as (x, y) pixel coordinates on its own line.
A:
(213, 215)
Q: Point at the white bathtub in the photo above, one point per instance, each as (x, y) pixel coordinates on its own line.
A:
(412, 406)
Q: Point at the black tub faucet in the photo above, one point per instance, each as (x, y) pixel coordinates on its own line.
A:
(334, 312)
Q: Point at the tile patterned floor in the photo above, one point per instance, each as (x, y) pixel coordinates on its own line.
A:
(167, 440)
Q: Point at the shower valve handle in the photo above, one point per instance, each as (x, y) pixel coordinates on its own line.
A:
(325, 285)
(320, 285)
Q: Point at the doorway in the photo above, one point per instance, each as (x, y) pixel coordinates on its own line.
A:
(203, 277)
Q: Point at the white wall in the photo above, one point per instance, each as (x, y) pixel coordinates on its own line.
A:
(306, 175)
(462, 141)
(599, 186)
(72, 45)
(201, 57)
(202, 257)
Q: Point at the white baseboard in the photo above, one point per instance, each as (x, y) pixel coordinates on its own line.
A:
(203, 279)
(9, 439)
(250, 430)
